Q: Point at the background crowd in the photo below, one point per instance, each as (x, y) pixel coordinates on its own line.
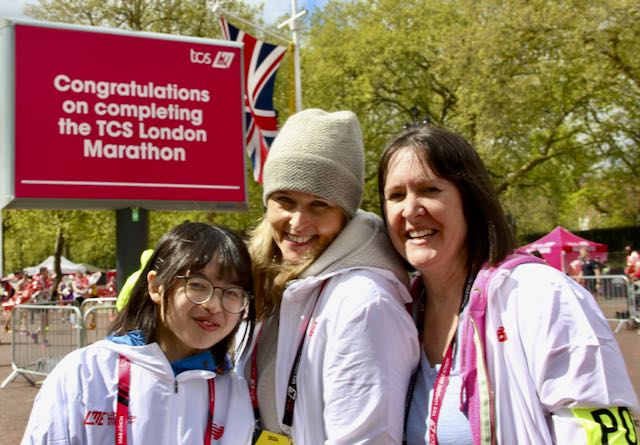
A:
(20, 287)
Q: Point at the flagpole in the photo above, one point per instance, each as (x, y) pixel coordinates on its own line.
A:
(295, 27)
(296, 54)
(217, 8)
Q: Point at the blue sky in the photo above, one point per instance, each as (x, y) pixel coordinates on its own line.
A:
(12, 8)
(275, 8)
(272, 9)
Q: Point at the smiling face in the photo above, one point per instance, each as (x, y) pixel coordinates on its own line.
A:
(424, 215)
(302, 224)
(189, 328)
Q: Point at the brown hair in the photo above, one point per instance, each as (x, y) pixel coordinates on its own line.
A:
(489, 236)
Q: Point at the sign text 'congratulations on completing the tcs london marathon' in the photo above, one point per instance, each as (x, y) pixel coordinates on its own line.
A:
(123, 116)
(108, 122)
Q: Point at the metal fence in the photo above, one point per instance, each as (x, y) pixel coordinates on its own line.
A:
(617, 297)
(42, 334)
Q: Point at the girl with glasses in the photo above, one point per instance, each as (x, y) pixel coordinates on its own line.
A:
(164, 374)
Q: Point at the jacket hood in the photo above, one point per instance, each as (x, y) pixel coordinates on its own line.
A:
(362, 243)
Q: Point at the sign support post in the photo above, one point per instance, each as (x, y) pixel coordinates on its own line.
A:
(132, 238)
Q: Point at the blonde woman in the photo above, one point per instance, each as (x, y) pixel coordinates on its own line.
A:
(331, 359)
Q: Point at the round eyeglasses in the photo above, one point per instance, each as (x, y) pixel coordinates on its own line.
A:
(199, 290)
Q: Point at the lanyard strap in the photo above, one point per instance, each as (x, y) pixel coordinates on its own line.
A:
(292, 387)
(253, 379)
(287, 419)
(122, 408)
(439, 388)
(442, 380)
(212, 405)
(418, 318)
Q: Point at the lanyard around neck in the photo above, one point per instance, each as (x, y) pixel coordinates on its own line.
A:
(122, 408)
(442, 379)
(287, 418)
(253, 379)
(439, 389)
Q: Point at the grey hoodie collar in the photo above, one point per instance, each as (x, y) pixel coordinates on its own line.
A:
(362, 243)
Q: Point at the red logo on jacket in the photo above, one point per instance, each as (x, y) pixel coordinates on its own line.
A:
(101, 418)
(313, 328)
(502, 335)
(217, 431)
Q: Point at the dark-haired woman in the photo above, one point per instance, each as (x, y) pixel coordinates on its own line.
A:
(513, 351)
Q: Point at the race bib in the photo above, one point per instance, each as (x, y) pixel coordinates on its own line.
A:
(264, 437)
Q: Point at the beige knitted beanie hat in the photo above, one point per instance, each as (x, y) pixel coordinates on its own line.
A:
(318, 153)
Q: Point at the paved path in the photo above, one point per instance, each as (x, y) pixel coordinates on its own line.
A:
(16, 398)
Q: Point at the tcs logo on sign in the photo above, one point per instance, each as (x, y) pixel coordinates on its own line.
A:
(605, 426)
(222, 59)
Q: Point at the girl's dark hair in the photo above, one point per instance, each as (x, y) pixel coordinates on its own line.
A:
(489, 235)
(189, 247)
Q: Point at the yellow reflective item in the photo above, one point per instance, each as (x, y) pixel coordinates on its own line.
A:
(269, 438)
(614, 425)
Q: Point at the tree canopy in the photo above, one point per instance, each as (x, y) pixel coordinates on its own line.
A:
(546, 91)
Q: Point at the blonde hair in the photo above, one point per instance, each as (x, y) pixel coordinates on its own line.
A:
(270, 274)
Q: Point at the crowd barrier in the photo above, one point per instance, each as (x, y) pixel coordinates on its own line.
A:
(42, 334)
(617, 297)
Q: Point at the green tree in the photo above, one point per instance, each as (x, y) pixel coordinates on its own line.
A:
(183, 17)
(547, 91)
(30, 236)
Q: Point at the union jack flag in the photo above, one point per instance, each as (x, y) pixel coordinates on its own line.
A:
(261, 62)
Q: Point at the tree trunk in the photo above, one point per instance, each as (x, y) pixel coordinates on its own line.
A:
(56, 263)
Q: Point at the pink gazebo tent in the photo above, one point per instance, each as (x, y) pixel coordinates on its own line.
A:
(560, 247)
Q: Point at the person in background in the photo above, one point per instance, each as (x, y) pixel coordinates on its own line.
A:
(332, 358)
(574, 270)
(42, 286)
(16, 281)
(10, 285)
(513, 351)
(65, 289)
(18, 292)
(589, 272)
(164, 374)
(632, 267)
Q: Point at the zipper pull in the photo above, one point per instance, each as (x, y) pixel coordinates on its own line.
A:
(175, 386)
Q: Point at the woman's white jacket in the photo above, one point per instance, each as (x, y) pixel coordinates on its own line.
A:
(556, 368)
(77, 401)
(361, 347)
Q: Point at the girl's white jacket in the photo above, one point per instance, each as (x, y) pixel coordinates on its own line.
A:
(557, 371)
(77, 402)
(362, 345)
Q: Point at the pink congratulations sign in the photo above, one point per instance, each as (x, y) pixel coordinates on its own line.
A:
(112, 119)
